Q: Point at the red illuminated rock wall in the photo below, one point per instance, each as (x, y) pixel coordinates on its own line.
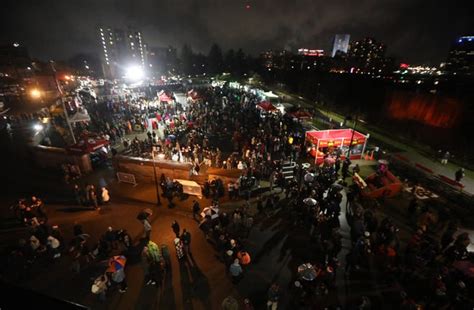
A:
(428, 109)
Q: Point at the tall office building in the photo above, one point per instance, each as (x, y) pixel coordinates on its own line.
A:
(121, 49)
(341, 43)
(461, 56)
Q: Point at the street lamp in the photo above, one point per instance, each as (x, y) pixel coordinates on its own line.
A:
(158, 200)
(38, 127)
(134, 73)
(35, 93)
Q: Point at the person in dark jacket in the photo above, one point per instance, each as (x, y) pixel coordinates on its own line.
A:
(176, 228)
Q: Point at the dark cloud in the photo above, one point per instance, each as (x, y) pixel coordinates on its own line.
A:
(414, 30)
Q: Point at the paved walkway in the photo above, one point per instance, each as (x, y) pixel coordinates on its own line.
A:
(448, 170)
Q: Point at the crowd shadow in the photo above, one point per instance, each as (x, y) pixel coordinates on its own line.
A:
(167, 300)
(194, 284)
(186, 289)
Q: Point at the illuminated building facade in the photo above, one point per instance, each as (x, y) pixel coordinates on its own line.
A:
(341, 44)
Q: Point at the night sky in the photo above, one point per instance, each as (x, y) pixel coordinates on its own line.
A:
(415, 31)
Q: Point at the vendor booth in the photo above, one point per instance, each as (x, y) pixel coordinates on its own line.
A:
(95, 146)
(322, 142)
(88, 144)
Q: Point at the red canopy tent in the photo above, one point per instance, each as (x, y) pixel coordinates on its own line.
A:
(266, 106)
(334, 138)
(88, 144)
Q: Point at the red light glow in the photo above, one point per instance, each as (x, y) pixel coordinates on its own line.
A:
(427, 109)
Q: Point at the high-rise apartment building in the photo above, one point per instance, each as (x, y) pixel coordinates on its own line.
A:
(367, 50)
(121, 49)
(368, 56)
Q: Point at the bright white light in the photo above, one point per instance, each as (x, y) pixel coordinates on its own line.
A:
(35, 93)
(134, 73)
(38, 127)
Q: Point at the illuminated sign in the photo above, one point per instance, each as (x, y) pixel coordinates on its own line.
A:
(310, 52)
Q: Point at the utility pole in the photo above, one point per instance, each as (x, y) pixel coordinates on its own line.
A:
(352, 137)
(71, 132)
(158, 200)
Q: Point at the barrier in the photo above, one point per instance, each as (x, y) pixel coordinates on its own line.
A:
(450, 181)
(426, 169)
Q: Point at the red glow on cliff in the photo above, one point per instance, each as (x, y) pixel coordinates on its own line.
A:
(428, 109)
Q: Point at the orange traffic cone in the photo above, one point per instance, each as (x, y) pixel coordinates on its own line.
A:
(372, 155)
(366, 157)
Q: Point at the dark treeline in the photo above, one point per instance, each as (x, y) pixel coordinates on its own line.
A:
(216, 61)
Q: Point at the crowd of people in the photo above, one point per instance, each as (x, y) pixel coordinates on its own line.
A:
(30, 212)
(89, 196)
(225, 130)
(232, 133)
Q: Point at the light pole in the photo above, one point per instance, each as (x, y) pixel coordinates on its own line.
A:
(71, 132)
(158, 200)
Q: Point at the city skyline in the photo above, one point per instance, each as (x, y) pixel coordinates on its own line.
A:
(254, 26)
